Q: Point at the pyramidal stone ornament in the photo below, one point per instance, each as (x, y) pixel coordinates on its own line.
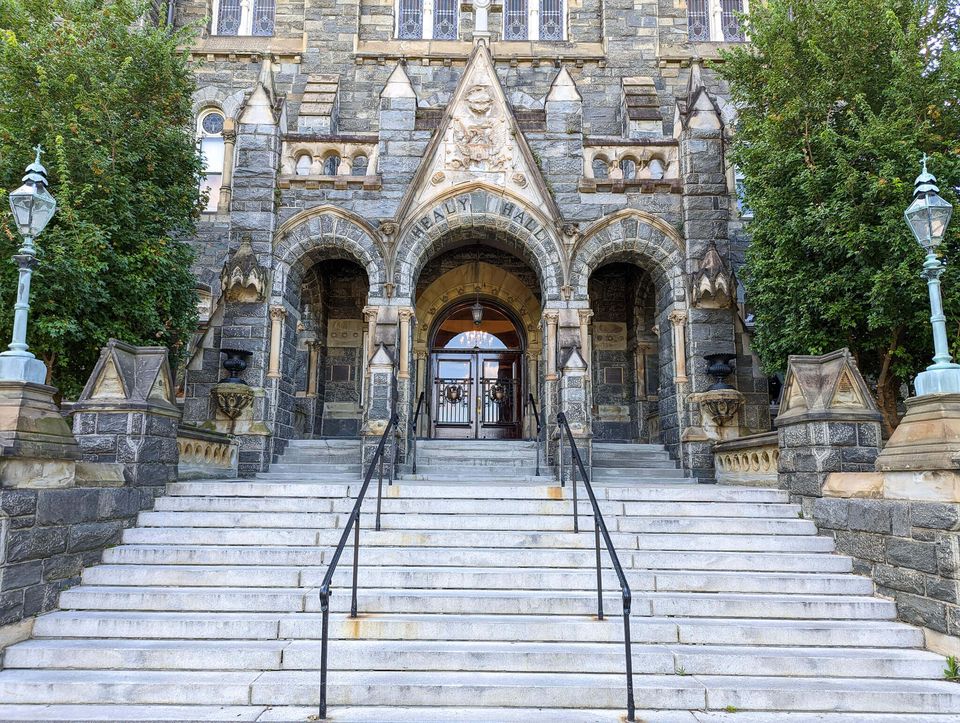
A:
(712, 284)
(243, 278)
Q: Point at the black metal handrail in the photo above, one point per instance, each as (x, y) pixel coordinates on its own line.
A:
(353, 523)
(600, 528)
(413, 432)
(536, 416)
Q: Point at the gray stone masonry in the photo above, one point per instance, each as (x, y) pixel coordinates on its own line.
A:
(49, 535)
(127, 414)
(910, 549)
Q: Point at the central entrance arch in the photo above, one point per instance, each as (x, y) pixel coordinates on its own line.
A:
(476, 372)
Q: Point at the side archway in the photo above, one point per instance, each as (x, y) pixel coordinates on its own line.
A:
(478, 215)
(319, 235)
(635, 237)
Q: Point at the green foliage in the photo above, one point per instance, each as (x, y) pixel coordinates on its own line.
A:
(952, 671)
(838, 101)
(108, 97)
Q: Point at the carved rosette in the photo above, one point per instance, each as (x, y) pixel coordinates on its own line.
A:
(232, 399)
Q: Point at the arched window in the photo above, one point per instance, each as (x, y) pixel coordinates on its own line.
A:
(304, 161)
(359, 168)
(239, 17)
(331, 165)
(599, 167)
(210, 143)
(656, 169)
(629, 168)
(523, 20)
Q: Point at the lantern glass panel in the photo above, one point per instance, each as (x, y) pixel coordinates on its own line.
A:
(928, 217)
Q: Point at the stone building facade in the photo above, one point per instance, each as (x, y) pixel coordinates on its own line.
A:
(383, 173)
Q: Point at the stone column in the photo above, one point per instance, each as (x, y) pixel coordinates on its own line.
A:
(370, 316)
(421, 388)
(406, 317)
(379, 406)
(573, 403)
(229, 143)
(277, 314)
(551, 317)
(678, 321)
(312, 371)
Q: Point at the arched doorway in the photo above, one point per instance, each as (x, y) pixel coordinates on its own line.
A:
(476, 368)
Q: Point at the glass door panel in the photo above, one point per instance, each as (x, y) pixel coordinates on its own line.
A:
(453, 396)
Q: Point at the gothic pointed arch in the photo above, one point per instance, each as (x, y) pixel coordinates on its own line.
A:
(637, 237)
(483, 215)
(324, 233)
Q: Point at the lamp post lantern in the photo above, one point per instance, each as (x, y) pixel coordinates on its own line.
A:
(928, 216)
(32, 207)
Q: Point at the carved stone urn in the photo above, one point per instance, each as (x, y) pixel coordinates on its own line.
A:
(235, 363)
(720, 366)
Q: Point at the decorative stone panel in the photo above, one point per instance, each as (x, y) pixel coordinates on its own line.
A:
(204, 454)
(750, 460)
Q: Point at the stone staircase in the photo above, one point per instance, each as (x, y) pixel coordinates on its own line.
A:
(477, 604)
(468, 461)
(619, 462)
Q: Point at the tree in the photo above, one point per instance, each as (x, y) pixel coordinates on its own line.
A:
(837, 102)
(109, 98)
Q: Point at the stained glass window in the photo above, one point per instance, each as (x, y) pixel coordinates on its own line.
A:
(515, 20)
(551, 19)
(263, 12)
(445, 19)
(698, 20)
(410, 20)
(729, 22)
(228, 17)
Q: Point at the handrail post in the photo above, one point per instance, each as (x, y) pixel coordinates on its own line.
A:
(573, 481)
(324, 637)
(379, 494)
(563, 482)
(596, 527)
(631, 705)
(356, 560)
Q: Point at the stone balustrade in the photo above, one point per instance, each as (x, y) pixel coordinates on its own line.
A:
(205, 454)
(750, 460)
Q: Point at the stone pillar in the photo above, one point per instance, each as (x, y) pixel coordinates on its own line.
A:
(128, 414)
(229, 144)
(312, 363)
(828, 423)
(573, 403)
(37, 448)
(379, 405)
(406, 317)
(678, 322)
(551, 317)
(277, 314)
(370, 316)
(421, 357)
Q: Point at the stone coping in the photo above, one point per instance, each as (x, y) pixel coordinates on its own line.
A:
(447, 51)
(254, 47)
(206, 435)
(763, 439)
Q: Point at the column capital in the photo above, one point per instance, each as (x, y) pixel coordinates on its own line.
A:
(406, 313)
(585, 315)
(277, 313)
(678, 317)
(370, 313)
(551, 316)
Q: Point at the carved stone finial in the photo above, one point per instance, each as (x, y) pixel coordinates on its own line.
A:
(243, 278)
(712, 285)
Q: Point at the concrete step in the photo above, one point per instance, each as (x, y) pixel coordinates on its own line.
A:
(643, 459)
(220, 536)
(265, 520)
(602, 474)
(474, 655)
(315, 467)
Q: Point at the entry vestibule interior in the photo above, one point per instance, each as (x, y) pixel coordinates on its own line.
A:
(476, 378)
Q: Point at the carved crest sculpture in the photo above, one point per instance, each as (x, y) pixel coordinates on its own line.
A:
(479, 136)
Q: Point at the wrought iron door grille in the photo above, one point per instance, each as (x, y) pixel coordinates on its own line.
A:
(729, 22)
(410, 22)
(698, 20)
(228, 17)
(499, 405)
(515, 20)
(551, 19)
(453, 401)
(445, 19)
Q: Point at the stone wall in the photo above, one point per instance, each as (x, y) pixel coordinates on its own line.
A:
(50, 535)
(911, 550)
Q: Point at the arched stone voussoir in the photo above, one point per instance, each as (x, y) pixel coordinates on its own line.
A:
(632, 238)
(320, 235)
(479, 215)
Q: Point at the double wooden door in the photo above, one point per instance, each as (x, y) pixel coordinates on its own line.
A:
(476, 395)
